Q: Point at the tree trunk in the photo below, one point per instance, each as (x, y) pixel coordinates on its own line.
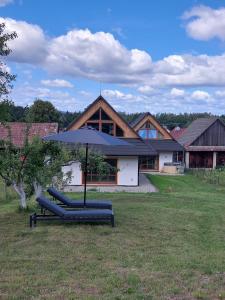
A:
(5, 190)
(37, 189)
(19, 188)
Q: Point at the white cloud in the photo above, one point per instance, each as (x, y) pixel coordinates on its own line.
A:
(96, 56)
(99, 56)
(189, 70)
(57, 83)
(115, 94)
(200, 95)
(220, 94)
(81, 53)
(204, 23)
(146, 89)
(85, 94)
(26, 94)
(31, 44)
(5, 2)
(177, 92)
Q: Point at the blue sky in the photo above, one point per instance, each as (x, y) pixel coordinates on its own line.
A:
(157, 56)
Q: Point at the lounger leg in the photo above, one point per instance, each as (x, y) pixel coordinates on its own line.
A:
(35, 219)
(31, 221)
(112, 221)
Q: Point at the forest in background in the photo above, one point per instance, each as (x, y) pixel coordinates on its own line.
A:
(44, 111)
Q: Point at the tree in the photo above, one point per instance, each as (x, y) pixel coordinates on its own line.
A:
(42, 111)
(32, 166)
(5, 77)
(37, 164)
(6, 110)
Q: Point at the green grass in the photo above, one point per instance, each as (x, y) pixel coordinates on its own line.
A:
(167, 245)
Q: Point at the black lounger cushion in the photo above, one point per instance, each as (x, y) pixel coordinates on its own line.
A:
(61, 212)
(51, 206)
(88, 213)
(79, 203)
(63, 198)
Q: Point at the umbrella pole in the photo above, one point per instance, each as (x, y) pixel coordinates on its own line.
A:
(85, 174)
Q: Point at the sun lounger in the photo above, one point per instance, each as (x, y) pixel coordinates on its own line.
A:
(98, 204)
(59, 213)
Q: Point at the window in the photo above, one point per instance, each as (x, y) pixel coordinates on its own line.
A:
(94, 125)
(108, 128)
(110, 178)
(178, 156)
(148, 163)
(101, 121)
(148, 131)
(119, 131)
(95, 116)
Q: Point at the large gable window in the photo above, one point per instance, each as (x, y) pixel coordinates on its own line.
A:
(148, 131)
(101, 121)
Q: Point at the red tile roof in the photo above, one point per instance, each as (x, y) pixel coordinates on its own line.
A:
(18, 131)
(177, 132)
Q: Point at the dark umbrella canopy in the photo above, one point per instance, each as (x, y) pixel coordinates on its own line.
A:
(86, 135)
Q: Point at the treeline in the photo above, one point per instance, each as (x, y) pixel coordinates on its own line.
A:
(40, 111)
(44, 111)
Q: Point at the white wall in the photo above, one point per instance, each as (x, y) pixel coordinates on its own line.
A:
(76, 173)
(128, 171)
(165, 157)
(127, 175)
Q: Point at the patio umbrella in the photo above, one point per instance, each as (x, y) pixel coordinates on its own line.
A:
(86, 136)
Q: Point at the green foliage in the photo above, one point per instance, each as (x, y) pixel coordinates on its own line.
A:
(42, 111)
(96, 161)
(5, 110)
(33, 166)
(5, 77)
(212, 176)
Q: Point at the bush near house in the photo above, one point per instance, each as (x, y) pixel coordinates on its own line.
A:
(211, 176)
(166, 245)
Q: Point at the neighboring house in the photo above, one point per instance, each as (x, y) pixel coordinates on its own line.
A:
(204, 142)
(18, 131)
(177, 132)
(150, 145)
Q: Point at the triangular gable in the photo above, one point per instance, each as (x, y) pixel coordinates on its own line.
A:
(195, 130)
(213, 135)
(155, 123)
(100, 102)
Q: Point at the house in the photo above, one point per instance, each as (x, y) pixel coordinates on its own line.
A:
(177, 132)
(204, 143)
(18, 131)
(150, 147)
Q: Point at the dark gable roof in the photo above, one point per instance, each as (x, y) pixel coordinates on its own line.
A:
(177, 133)
(137, 147)
(92, 104)
(164, 145)
(194, 130)
(18, 131)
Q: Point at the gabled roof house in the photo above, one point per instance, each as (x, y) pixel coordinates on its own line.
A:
(204, 143)
(150, 147)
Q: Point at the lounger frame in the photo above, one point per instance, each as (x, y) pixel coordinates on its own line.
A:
(84, 219)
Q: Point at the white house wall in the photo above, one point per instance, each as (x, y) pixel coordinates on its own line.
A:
(127, 175)
(76, 173)
(165, 157)
(128, 171)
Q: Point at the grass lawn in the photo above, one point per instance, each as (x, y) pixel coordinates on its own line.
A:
(167, 245)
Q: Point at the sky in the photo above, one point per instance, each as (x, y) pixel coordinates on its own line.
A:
(157, 56)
